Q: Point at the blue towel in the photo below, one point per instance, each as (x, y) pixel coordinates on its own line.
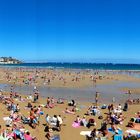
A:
(118, 137)
(111, 131)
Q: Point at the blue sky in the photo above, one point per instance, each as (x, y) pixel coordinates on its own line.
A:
(70, 30)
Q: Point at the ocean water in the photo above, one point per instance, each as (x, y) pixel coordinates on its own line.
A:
(94, 66)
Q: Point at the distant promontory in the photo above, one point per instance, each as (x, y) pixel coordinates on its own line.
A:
(9, 60)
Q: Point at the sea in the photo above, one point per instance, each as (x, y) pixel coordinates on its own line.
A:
(92, 66)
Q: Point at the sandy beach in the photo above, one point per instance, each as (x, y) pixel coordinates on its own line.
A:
(64, 79)
(67, 78)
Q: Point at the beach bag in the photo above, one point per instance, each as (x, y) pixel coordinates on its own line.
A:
(100, 117)
(104, 107)
(41, 113)
(137, 121)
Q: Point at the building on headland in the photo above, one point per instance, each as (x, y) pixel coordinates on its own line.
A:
(9, 60)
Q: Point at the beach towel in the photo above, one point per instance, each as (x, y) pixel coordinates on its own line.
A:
(42, 105)
(78, 109)
(103, 138)
(75, 125)
(56, 137)
(3, 138)
(133, 132)
(137, 127)
(118, 131)
(6, 118)
(51, 106)
(17, 132)
(118, 137)
(85, 133)
(68, 112)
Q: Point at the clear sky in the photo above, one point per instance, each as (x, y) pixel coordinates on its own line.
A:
(70, 30)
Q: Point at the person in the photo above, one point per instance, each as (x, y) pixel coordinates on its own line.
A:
(60, 101)
(69, 111)
(52, 100)
(91, 122)
(48, 118)
(110, 108)
(96, 98)
(29, 105)
(103, 128)
(131, 123)
(74, 109)
(125, 106)
(54, 120)
(60, 121)
(17, 108)
(27, 136)
(35, 88)
(114, 128)
(119, 107)
(138, 114)
(129, 94)
(84, 122)
(113, 100)
(48, 102)
(46, 128)
(78, 119)
(49, 81)
(35, 97)
(72, 103)
(93, 134)
(48, 136)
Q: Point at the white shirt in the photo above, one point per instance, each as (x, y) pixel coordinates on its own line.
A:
(59, 119)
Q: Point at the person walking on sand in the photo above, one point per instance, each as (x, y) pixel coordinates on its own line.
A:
(96, 98)
(129, 93)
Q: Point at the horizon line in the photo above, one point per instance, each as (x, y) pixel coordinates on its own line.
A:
(113, 63)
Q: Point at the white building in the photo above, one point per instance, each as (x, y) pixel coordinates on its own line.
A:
(6, 60)
(1, 59)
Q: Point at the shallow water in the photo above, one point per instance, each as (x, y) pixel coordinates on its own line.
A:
(107, 92)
